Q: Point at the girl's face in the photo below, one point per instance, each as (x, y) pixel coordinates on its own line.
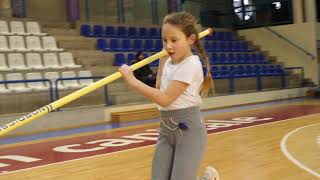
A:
(141, 56)
(176, 43)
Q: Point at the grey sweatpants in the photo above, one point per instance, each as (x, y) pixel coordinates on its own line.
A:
(179, 152)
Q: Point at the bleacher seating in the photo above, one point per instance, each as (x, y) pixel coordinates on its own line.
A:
(49, 43)
(34, 61)
(4, 28)
(85, 82)
(67, 60)
(36, 86)
(16, 61)
(3, 63)
(34, 43)
(17, 87)
(3, 87)
(33, 28)
(70, 84)
(4, 46)
(50, 61)
(53, 76)
(17, 43)
(17, 28)
(99, 31)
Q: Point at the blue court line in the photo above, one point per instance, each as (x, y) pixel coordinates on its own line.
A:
(46, 135)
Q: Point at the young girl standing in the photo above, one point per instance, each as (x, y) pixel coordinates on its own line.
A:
(183, 136)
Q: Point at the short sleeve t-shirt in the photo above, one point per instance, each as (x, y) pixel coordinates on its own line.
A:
(188, 71)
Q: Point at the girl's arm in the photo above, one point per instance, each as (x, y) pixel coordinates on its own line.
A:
(162, 61)
(164, 99)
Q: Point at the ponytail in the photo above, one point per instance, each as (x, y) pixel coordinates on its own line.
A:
(207, 84)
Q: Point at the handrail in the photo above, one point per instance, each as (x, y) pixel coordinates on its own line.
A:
(31, 80)
(107, 101)
(290, 42)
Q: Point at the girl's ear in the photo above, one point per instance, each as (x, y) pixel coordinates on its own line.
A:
(191, 39)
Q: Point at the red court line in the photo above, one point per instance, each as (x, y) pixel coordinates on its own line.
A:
(44, 153)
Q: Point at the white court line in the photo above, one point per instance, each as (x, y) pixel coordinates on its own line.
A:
(290, 157)
(116, 152)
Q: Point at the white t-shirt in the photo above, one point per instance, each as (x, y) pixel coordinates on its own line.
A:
(188, 71)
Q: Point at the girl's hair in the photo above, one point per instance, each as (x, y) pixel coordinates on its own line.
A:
(138, 54)
(188, 25)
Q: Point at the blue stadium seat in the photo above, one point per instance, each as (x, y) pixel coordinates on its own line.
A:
(223, 47)
(247, 58)
(102, 45)
(98, 31)
(110, 32)
(114, 45)
(224, 68)
(119, 59)
(207, 46)
(131, 57)
(261, 58)
(209, 38)
(158, 45)
(214, 59)
(217, 36)
(214, 46)
(231, 59)
(223, 59)
(85, 30)
(132, 32)
(240, 58)
(137, 45)
(122, 32)
(126, 45)
(229, 36)
(143, 32)
(148, 45)
(244, 46)
(154, 33)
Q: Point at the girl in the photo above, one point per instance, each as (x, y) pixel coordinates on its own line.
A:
(183, 136)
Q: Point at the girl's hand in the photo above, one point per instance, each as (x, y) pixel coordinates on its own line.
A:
(127, 74)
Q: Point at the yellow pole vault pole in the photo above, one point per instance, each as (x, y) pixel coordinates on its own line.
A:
(75, 95)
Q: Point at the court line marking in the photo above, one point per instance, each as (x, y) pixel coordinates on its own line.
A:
(290, 157)
(273, 122)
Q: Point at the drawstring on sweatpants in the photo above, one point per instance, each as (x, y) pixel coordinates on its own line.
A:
(180, 126)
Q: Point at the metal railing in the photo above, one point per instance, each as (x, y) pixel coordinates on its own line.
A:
(258, 77)
(54, 90)
(32, 80)
(57, 96)
(291, 43)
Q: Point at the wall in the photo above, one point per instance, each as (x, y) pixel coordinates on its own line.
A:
(46, 10)
(302, 34)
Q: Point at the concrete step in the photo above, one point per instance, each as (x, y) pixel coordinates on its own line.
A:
(61, 31)
(115, 87)
(54, 24)
(77, 43)
(90, 58)
(124, 98)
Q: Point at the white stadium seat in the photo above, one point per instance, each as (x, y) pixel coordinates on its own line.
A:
(34, 29)
(85, 82)
(66, 60)
(17, 87)
(34, 61)
(36, 86)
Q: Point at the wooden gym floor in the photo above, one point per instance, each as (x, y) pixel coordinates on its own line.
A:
(269, 141)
